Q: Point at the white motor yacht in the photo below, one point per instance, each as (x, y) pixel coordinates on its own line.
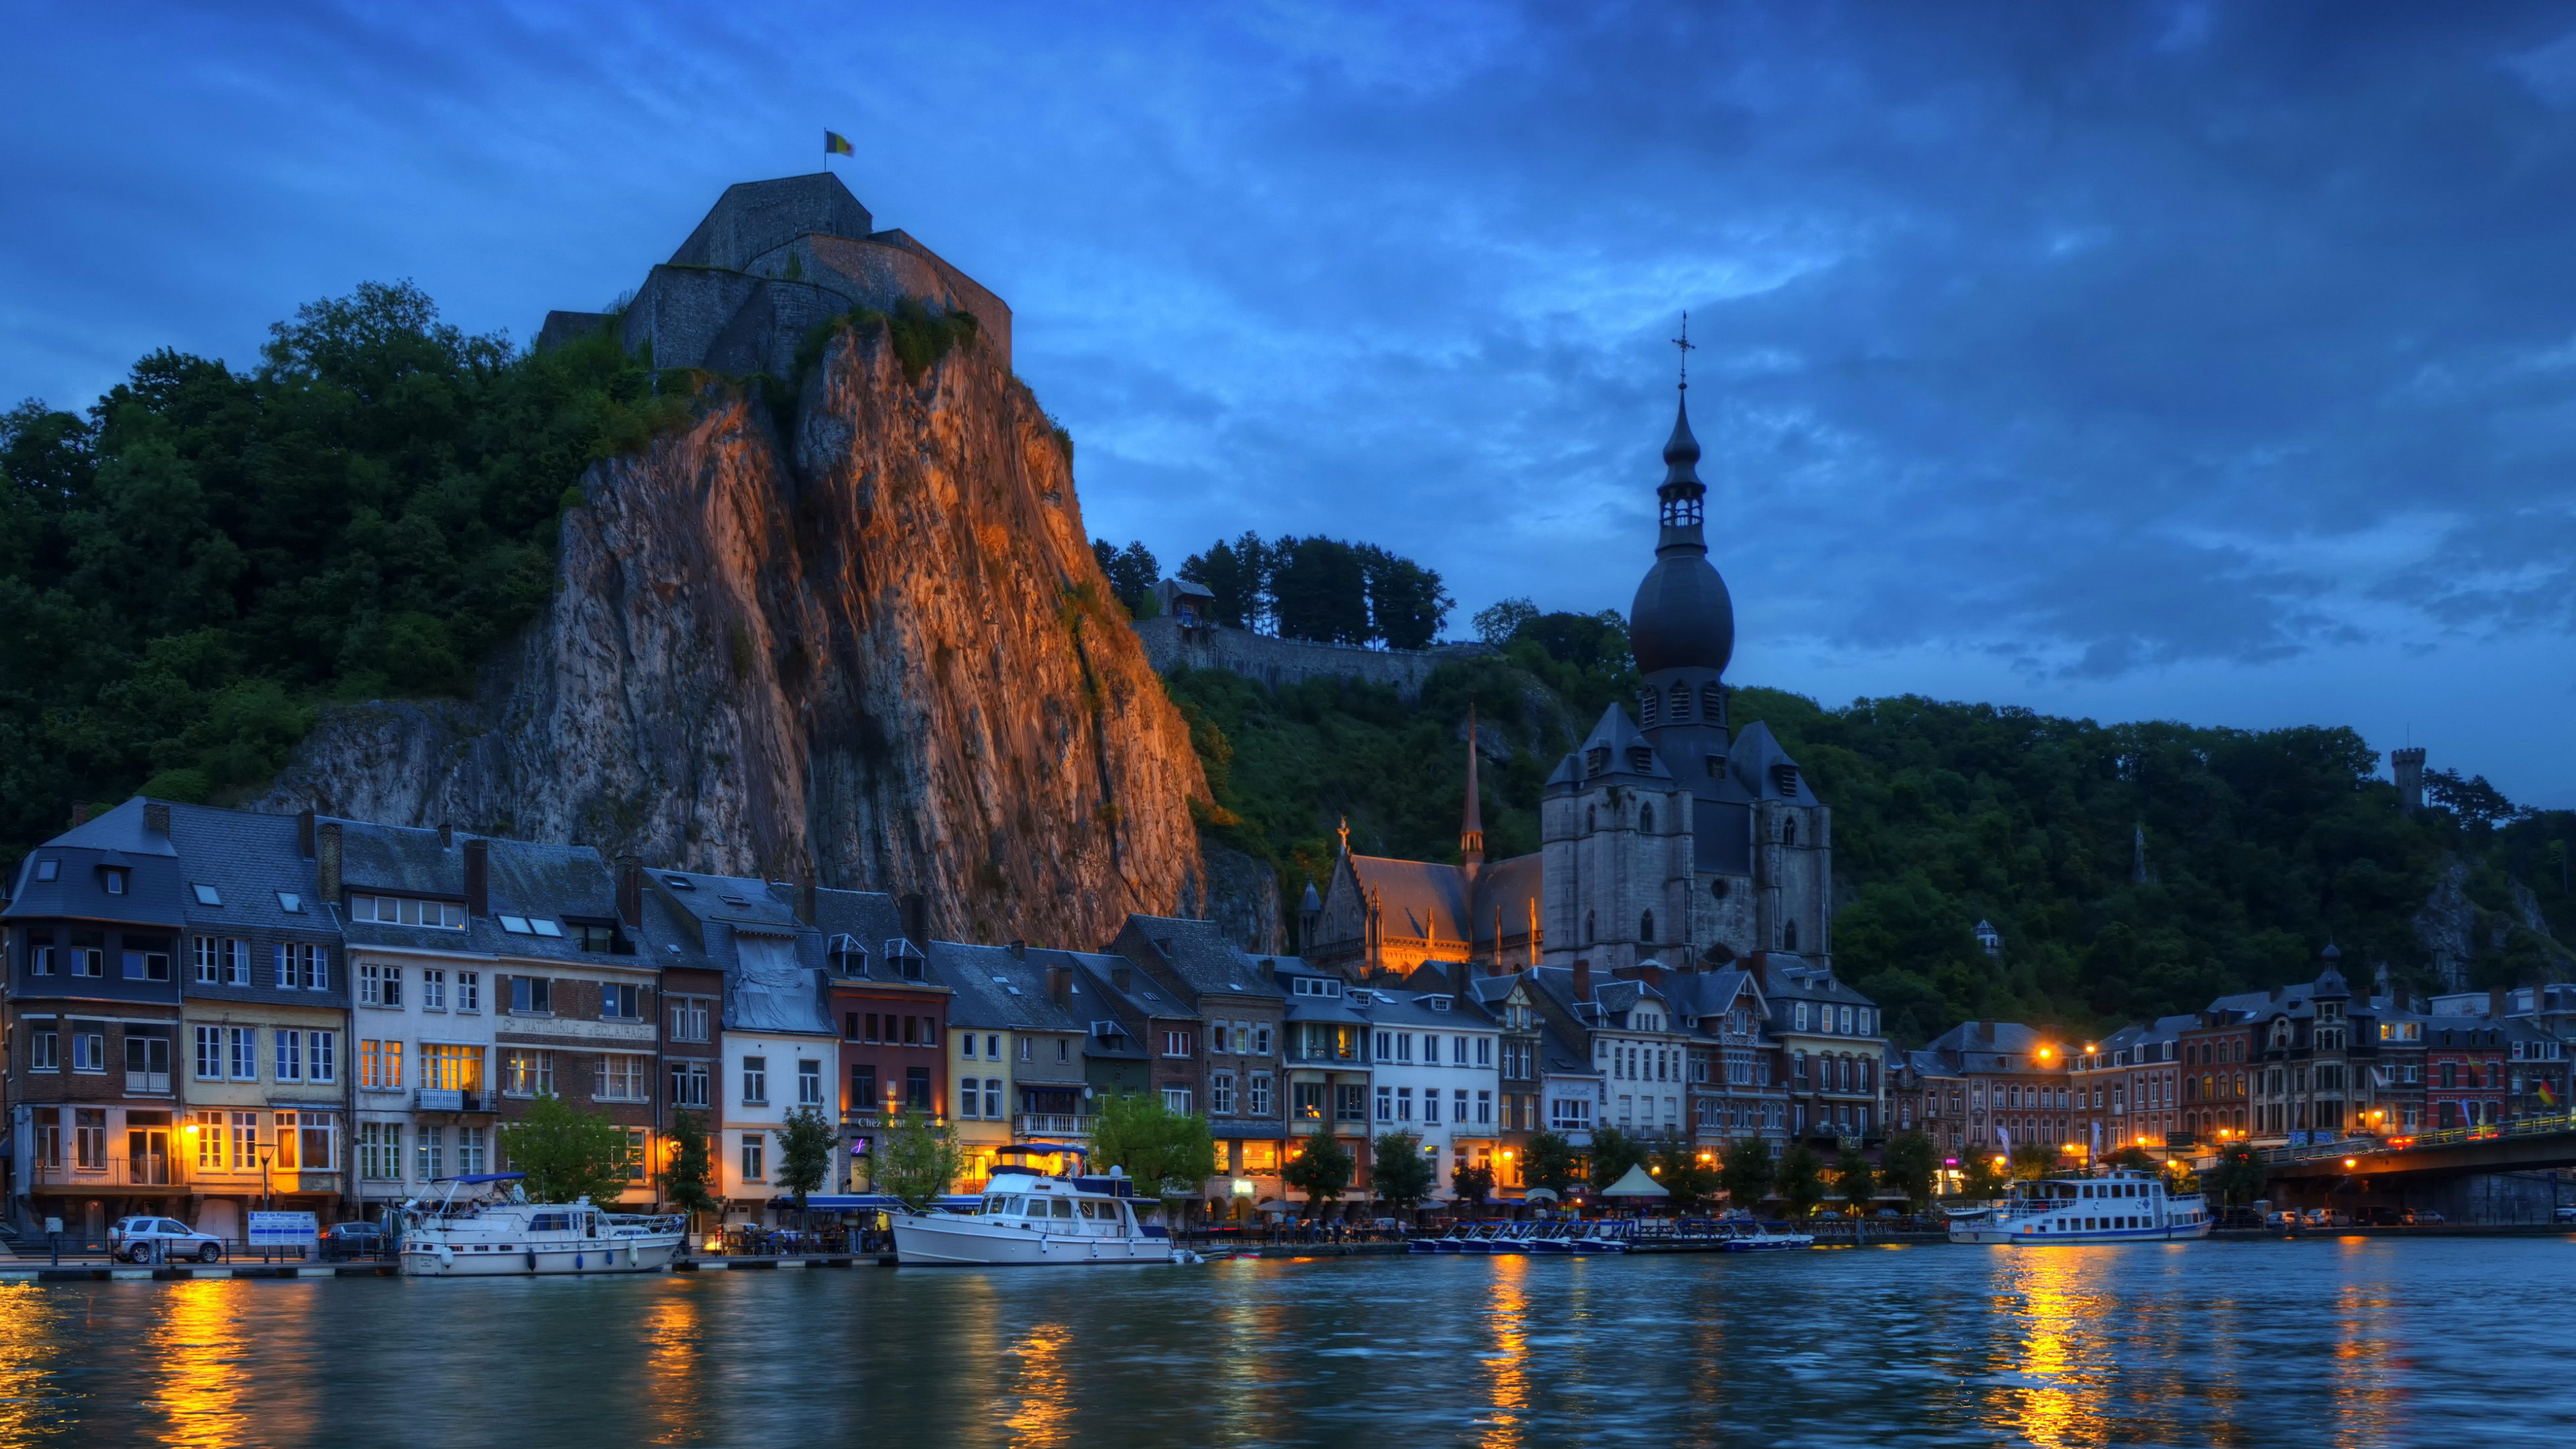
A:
(495, 1231)
(2125, 1206)
(1028, 1218)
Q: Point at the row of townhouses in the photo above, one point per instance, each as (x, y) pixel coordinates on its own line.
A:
(211, 1011)
(2314, 1062)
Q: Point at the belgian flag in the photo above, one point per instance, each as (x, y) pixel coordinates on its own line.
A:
(836, 144)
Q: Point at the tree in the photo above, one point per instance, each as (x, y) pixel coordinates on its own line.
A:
(2239, 1176)
(1473, 1184)
(688, 1182)
(1169, 1154)
(1400, 1173)
(1132, 573)
(1681, 1169)
(2031, 1161)
(1979, 1178)
(1322, 1170)
(1498, 624)
(1856, 1182)
(1802, 1181)
(911, 1159)
(1549, 1161)
(2132, 1158)
(1319, 591)
(1747, 1172)
(1613, 1153)
(1237, 576)
(1406, 603)
(567, 1153)
(805, 1152)
(1907, 1164)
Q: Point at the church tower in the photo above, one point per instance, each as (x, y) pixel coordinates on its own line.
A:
(1471, 825)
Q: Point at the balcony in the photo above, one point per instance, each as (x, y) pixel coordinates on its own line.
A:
(1051, 1124)
(435, 1099)
(148, 1172)
(147, 1084)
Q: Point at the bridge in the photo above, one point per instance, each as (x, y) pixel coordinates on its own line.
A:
(2502, 1173)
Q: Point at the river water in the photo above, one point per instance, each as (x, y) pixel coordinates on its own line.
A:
(2347, 1342)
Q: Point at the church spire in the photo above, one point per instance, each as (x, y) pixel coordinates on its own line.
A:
(1681, 490)
(1471, 826)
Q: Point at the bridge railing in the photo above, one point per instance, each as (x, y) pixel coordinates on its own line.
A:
(2536, 1125)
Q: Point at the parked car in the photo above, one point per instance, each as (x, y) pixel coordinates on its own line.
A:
(2328, 1218)
(2565, 1214)
(353, 1240)
(2283, 1219)
(2241, 1217)
(2424, 1215)
(133, 1238)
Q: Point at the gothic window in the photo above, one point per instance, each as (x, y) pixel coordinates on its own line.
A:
(1789, 936)
(1681, 703)
(1590, 921)
(1646, 818)
(1646, 926)
(1789, 831)
(1588, 822)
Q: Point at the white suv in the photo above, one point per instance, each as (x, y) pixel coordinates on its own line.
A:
(132, 1240)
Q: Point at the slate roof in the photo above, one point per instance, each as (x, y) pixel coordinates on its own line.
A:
(1197, 953)
(524, 880)
(154, 891)
(1620, 735)
(997, 991)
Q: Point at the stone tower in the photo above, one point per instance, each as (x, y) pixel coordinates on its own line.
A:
(2408, 765)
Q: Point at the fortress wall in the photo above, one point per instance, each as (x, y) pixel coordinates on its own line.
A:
(1275, 662)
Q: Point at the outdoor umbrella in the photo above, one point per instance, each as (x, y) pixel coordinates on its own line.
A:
(1540, 1194)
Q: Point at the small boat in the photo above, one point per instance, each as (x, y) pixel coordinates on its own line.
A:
(1028, 1218)
(1607, 1236)
(1762, 1238)
(1555, 1237)
(496, 1232)
(2126, 1206)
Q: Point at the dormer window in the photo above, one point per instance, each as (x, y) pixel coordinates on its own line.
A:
(1784, 778)
(290, 902)
(1596, 759)
(849, 958)
(679, 883)
(111, 880)
(49, 870)
(1641, 759)
(1717, 767)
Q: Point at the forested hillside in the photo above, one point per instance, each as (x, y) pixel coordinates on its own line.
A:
(2259, 846)
(192, 565)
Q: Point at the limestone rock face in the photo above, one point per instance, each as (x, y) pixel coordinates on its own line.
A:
(879, 648)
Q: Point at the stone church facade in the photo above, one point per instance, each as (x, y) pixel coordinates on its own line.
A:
(1667, 837)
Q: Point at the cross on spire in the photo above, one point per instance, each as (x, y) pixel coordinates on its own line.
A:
(1686, 347)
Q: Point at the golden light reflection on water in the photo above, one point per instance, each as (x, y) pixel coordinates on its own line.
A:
(2365, 1391)
(31, 1338)
(1507, 1365)
(1044, 1387)
(199, 1394)
(673, 1369)
(2058, 1363)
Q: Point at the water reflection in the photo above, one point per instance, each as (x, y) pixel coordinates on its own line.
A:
(1044, 1383)
(2054, 1391)
(31, 1341)
(672, 1366)
(1507, 1366)
(197, 1389)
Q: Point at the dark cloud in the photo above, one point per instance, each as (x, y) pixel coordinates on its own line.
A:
(2097, 343)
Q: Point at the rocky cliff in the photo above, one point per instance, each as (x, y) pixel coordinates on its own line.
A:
(876, 646)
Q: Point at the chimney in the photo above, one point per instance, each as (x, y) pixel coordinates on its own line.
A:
(630, 891)
(304, 834)
(80, 813)
(1651, 972)
(808, 901)
(446, 836)
(2496, 1003)
(916, 917)
(1059, 979)
(156, 817)
(1119, 976)
(1583, 979)
(478, 877)
(2276, 992)
(326, 856)
(1019, 950)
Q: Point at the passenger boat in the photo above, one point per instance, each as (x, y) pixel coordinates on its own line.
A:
(493, 1232)
(2126, 1206)
(1028, 1218)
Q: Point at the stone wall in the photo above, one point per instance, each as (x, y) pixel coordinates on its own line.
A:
(1275, 662)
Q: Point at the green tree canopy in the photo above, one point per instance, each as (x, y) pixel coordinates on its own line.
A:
(1473, 1183)
(911, 1159)
(1399, 1173)
(1747, 1172)
(1683, 1169)
(1802, 1180)
(2239, 1177)
(1855, 1182)
(1322, 1170)
(1169, 1154)
(568, 1154)
(1613, 1153)
(806, 1150)
(688, 1179)
(1907, 1163)
(1551, 1162)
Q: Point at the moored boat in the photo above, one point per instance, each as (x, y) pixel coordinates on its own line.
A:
(1030, 1218)
(494, 1231)
(2126, 1206)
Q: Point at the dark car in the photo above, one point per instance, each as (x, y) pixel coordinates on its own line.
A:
(354, 1240)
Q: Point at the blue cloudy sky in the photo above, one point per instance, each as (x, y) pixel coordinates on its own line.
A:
(2202, 361)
